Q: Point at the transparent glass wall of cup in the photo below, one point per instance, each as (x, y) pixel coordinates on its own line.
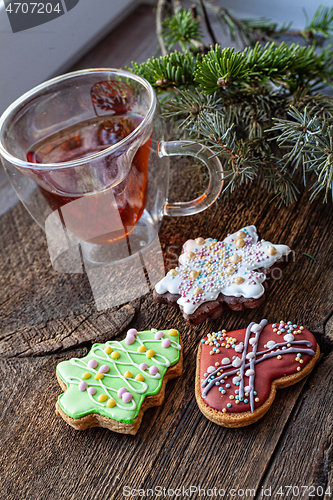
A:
(86, 151)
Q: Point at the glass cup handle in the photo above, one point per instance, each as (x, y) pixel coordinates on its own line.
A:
(190, 148)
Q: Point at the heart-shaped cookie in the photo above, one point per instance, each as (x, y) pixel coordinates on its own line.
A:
(238, 372)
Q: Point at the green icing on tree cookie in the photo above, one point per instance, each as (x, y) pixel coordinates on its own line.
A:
(115, 377)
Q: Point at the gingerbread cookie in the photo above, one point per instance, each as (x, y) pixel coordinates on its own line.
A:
(117, 381)
(238, 372)
(212, 275)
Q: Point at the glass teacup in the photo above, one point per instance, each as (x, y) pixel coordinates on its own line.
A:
(86, 155)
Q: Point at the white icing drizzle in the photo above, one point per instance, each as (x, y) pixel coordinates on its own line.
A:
(99, 383)
(248, 362)
(213, 258)
(100, 354)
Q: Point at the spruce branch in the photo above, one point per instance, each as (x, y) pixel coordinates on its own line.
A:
(317, 104)
(259, 110)
(188, 105)
(182, 28)
(290, 66)
(321, 24)
(174, 69)
(277, 181)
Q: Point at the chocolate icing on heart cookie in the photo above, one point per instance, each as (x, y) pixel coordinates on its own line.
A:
(238, 372)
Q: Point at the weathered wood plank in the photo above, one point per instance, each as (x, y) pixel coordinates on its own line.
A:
(62, 334)
(44, 458)
(132, 40)
(304, 455)
(32, 293)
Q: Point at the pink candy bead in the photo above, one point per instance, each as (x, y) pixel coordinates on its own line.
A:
(130, 339)
(132, 331)
(83, 386)
(153, 370)
(143, 366)
(92, 391)
(121, 391)
(92, 363)
(166, 343)
(104, 369)
(127, 397)
(159, 335)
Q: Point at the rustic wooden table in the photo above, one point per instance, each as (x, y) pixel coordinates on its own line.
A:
(46, 317)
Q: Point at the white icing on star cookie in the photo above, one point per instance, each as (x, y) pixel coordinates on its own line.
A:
(209, 267)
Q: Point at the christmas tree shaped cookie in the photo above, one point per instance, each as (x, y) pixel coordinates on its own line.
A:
(239, 372)
(117, 381)
(212, 275)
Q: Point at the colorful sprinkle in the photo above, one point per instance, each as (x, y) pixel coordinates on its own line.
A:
(83, 386)
(127, 397)
(92, 363)
(173, 332)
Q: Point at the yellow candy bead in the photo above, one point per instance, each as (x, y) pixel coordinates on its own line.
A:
(111, 403)
(142, 348)
(240, 235)
(98, 376)
(193, 275)
(108, 349)
(102, 398)
(128, 374)
(271, 251)
(240, 243)
(235, 258)
(115, 355)
(197, 291)
(199, 241)
(257, 400)
(172, 272)
(173, 332)
(230, 270)
(191, 255)
(238, 281)
(139, 377)
(150, 353)
(86, 375)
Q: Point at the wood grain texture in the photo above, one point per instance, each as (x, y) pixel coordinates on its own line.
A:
(305, 453)
(45, 458)
(43, 311)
